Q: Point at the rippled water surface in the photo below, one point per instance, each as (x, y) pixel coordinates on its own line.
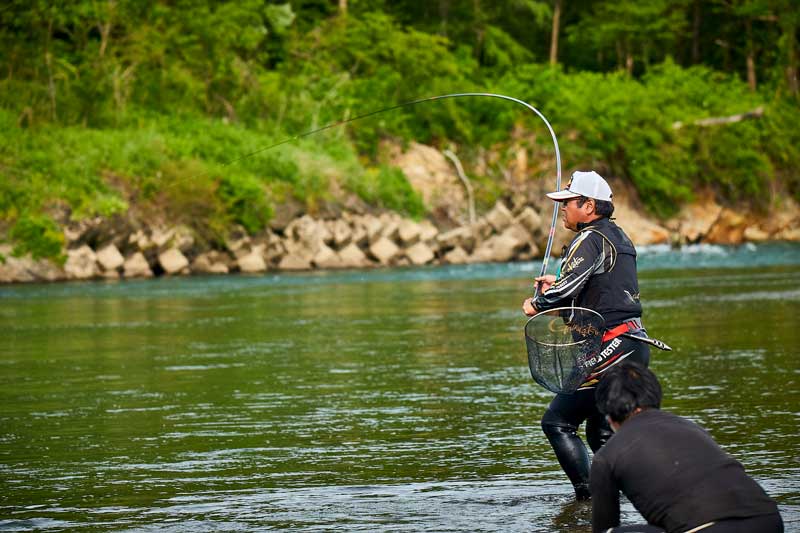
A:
(395, 400)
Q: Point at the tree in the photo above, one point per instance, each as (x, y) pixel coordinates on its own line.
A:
(555, 31)
(633, 30)
(788, 19)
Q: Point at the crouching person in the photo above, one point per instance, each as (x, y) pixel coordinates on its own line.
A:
(670, 469)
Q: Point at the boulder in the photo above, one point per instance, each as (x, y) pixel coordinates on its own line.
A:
(640, 229)
(520, 233)
(98, 231)
(694, 221)
(481, 230)
(531, 221)
(46, 270)
(275, 251)
(140, 240)
(136, 266)
(755, 234)
(728, 228)
(499, 217)
(242, 251)
(456, 256)
(322, 233)
(74, 230)
(238, 242)
(299, 254)
(16, 270)
(427, 231)
(384, 250)
(351, 256)
(183, 239)
(294, 262)
(341, 232)
(172, 261)
(408, 232)
(110, 274)
(390, 230)
(253, 262)
(358, 234)
(500, 248)
(784, 214)
(372, 226)
(390, 223)
(308, 233)
(160, 236)
(109, 258)
(211, 262)
(462, 237)
(81, 263)
(326, 258)
(788, 234)
(25, 269)
(419, 254)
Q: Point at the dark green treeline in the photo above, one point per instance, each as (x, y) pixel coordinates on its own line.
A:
(135, 106)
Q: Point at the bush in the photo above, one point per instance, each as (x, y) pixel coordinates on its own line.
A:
(38, 235)
(389, 188)
(627, 127)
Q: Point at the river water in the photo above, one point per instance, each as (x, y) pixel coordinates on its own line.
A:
(385, 400)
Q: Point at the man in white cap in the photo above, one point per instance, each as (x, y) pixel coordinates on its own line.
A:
(598, 272)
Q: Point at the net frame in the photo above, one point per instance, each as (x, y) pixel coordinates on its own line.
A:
(562, 346)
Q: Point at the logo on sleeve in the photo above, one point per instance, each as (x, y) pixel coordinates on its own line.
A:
(573, 264)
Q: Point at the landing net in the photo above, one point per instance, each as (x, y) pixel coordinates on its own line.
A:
(562, 345)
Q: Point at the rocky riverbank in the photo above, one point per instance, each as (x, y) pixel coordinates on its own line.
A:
(514, 229)
(121, 248)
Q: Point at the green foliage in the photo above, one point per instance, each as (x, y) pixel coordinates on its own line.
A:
(634, 30)
(389, 188)
(244, 199)
(38, 235)
(359, 65)
(730, 159)
(165, 109)
(643, 130)
(780, 139)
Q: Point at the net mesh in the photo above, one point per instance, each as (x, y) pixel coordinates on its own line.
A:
(562, 345)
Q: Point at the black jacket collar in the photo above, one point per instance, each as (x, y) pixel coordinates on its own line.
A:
(583, 225)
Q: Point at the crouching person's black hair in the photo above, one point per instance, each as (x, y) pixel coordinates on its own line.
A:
(626, 387)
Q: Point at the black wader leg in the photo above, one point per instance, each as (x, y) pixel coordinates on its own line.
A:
(570, 451)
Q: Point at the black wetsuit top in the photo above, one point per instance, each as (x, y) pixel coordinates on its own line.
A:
(675, 475)
(598, 271)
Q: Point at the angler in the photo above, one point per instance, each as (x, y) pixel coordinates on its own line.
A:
(598, 272)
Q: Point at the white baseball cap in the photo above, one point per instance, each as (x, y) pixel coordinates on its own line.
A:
(589, 184)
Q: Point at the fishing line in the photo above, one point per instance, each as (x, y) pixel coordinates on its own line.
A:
(554, 220)
(556, 358)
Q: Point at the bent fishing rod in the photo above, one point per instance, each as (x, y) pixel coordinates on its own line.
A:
(554, 219)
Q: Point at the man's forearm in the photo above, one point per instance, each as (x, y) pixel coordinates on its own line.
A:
(563, 291)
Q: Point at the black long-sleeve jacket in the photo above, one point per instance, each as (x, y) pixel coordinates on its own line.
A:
(598, 271)
(675, 475)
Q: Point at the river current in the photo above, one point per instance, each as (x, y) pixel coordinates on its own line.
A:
(381, 400)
